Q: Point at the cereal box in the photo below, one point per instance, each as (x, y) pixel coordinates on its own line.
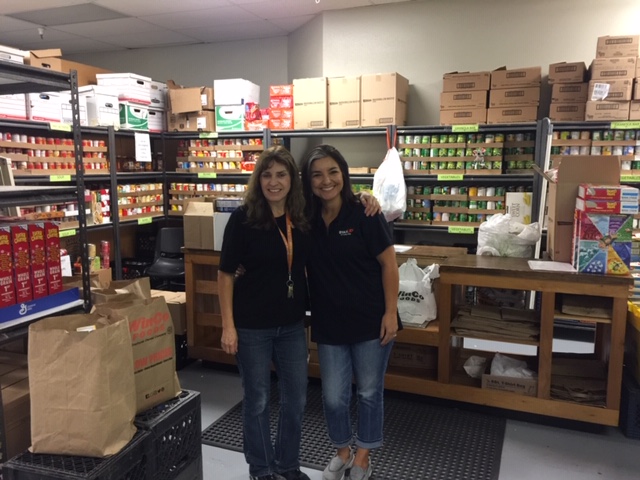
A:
(7, 292)
(52, 250)
(21, 260)
(38, 260)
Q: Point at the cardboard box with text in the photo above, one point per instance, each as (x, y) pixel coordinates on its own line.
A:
(384, 99)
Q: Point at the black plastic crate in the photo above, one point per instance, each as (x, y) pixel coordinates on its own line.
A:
(630, 406)
(175, 429)
(133, 462)
(193, 471)
(182, 352)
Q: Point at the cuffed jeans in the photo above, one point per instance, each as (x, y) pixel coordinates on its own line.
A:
(287, 348)
(367, 363)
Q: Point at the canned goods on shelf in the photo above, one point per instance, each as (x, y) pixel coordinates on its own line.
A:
(596, 136)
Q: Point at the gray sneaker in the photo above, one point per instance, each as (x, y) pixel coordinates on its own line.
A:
(337, 468)
(357, 473)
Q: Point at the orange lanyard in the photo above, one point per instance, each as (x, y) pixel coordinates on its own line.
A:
(288, 243)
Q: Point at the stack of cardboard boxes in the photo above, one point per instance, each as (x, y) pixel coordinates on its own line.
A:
(134, 97)
(281, 107)
(612, 76)
(514, 95)
(190, 109)
(236, 101)
(464, 98)
(344, 102)
(568, 91)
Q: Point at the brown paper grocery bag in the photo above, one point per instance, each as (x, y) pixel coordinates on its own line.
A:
(152, 337)
(122, 291)
(82, 388)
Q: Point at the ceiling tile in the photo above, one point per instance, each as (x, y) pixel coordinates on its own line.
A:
(107, 28)
(138, 8)
(291, 24)
(239, 31)
(154, 38)
(30, 36)
(201, 18)
(298, 8)
(13, 6)
(68, 15)
(8, 24)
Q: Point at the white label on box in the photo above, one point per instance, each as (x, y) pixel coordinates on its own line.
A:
(201, 122)
(600, 91)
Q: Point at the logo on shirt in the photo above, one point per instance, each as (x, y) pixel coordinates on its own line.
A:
(346, 233)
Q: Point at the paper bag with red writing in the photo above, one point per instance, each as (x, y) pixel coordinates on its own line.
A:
(83, 397)
(154, 359)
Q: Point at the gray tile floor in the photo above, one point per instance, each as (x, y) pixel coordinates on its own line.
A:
(531, 451)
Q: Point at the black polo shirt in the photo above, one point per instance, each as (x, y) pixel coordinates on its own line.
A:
(260, 294)
(345, 278)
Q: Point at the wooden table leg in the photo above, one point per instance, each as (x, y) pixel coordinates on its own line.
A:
(546, 344)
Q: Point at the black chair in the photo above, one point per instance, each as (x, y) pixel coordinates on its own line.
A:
(167, 270)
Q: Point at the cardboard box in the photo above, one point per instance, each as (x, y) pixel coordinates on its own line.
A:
(158, 92)
(610, 90)
(177, 305)
(567, 112)
(521, 386)
(344, 102)
(16, 406)
(235, 91)
(517, 77)
(569, 93)
(129, 87)
(636, 89)
(518, 205)
(103, 106)
(52, 258)
(602, 243)
(465, 81)
(134, 116)
(198, 224)
(384, 99)
(590, 191)
(13, 107)
(573, 171)
(44, 107)
(7, 290)
(607, 206)
(193, 99)
(38, 260)
(417, 356)
(603, 110)
(611, 68)
(463, 117)
(618, 46)
(157, 120)
(281, 90)
(505, 97)
(204, 121)
(230, 118)
(281, 102)
(21, 260)
(564, 72)
(287, 113)
(634, 111)
(66, 115)
(463, 100)
(12, 55)
(281, 123)
(512, 114)
(50, 59)
(310, 103)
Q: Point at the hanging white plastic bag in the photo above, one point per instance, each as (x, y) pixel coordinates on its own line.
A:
(389, 187)
(416, 301)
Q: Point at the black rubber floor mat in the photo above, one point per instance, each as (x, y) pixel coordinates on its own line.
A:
(421, 441)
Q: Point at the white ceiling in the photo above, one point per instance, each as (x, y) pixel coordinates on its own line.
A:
(82, 26)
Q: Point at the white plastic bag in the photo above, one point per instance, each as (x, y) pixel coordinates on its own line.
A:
(389, 187)
(416, 301)
(500, 236)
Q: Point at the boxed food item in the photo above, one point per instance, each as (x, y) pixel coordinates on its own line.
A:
(512, 114)
(7, 290)
(610, 90)
(607, 206)
(565, 72)
(463, 116)
(602, 243)
(611, 68)
(21, 261)
(517, 77)
(38, 260)
(466, 81)
(281, 90)
(463, 100)
(567, 112)
(310, 103)
(344, 102)
(618, 46)
(384, 99)
(603, 110)
(53, 262)
(569, 92)
(592, 191)
(504, 97)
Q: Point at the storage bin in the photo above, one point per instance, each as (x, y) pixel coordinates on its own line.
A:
(630, 406)
(175, 435)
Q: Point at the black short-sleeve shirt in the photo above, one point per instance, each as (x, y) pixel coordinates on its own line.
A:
(345, 278)
(260, 294)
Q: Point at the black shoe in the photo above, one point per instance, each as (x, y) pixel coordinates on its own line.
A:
(294, 475)
(271, 476)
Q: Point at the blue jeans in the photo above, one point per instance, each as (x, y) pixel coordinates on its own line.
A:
(367, 363)
(287, 348)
